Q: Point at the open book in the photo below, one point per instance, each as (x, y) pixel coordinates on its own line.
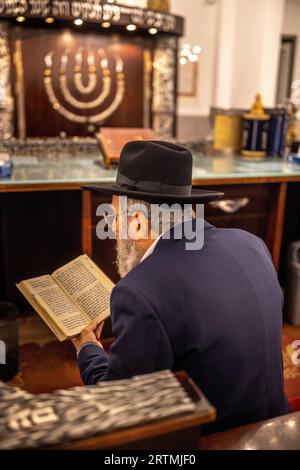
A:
(71, 298)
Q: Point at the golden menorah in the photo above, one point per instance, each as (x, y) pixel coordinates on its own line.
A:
(97, 69)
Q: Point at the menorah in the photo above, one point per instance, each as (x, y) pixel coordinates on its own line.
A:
(93, 115)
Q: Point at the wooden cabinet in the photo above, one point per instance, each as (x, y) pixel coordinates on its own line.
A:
(39, 231)
(43, 230)
(247, 207)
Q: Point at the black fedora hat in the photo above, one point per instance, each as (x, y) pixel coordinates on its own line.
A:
(157, 172)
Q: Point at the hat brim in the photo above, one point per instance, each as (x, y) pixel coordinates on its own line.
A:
(197, 195)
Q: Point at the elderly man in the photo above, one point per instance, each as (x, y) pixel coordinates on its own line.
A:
(213, 309)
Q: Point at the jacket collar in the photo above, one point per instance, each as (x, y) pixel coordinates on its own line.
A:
(188, 228)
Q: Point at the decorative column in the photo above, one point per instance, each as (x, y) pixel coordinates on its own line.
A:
(164, 86)
(6, 99)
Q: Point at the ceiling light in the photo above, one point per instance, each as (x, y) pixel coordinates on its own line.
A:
(78, 22)
(49, 20)
(197, 49)
(185, 53)
(153, 31)
(131, 27)
(20, 19)
(105, 24)
(193, 58)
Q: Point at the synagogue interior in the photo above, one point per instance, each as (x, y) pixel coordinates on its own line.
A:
(161, 101)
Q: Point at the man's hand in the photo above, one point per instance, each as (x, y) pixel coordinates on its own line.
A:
(91, 334)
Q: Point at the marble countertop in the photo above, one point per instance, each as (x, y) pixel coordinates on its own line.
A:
(67, 172)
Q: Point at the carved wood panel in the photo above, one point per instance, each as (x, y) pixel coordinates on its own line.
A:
(75, 81)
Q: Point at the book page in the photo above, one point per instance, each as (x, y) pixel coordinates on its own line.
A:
(87, 285)
(43, 314)
(52, 299)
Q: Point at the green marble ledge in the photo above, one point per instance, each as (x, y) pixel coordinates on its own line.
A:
(30, 171)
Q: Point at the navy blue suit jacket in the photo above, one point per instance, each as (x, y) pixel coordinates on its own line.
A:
(215, 313)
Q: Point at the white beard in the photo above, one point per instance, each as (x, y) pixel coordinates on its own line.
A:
(129, 256)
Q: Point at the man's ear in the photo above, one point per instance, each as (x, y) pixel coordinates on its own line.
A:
(138, 226)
